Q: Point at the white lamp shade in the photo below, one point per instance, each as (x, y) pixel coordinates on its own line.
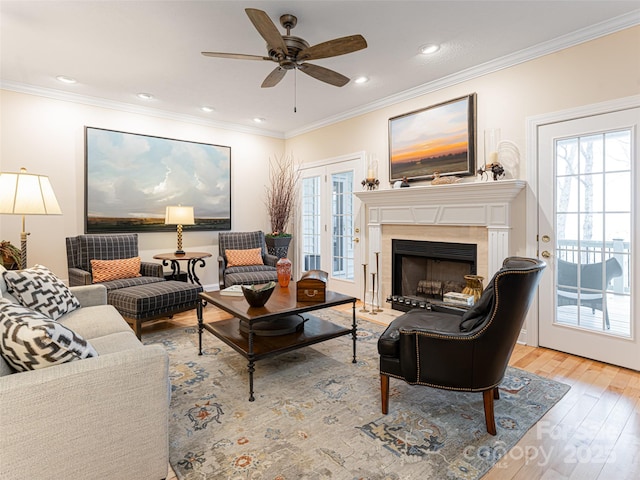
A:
(179, 215)
(27, 194)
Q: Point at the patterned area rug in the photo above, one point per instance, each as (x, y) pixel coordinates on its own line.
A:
(317, 415)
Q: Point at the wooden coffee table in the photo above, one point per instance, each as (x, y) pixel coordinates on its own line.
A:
(255, 340)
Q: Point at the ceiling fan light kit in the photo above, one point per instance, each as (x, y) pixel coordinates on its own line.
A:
(292, 53)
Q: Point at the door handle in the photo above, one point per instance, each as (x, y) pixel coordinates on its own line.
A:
(356, 240)
(545, 254)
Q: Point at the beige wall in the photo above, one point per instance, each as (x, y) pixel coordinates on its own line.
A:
(47, 136)
(603, 69)
(595, 71)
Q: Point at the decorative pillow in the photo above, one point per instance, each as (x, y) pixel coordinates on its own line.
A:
(105, 270)
(241, 258)
(30, 340)
(479, 313)
(40, 290)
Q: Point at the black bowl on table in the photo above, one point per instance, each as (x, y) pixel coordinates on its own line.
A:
(257, 295)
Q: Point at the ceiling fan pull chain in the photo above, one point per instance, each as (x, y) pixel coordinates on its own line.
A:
(295, 90)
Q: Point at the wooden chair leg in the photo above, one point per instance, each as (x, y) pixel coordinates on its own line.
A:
(496, 394)
(488, 396)
(138, 328)
(384, 392)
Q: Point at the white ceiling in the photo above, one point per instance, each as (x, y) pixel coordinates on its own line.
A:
(116, 49)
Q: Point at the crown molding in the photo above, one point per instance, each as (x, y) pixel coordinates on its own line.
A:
(131, 108)
(575, 38)
(583, 35)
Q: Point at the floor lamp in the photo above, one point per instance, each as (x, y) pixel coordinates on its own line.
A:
(179, 215)
(26, 194)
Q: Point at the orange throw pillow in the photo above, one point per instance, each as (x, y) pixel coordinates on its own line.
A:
(105, 270)
(241, 258)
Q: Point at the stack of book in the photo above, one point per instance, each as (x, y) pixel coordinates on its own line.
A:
(456, 298)
(232, 291)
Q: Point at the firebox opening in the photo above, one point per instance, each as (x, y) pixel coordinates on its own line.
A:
(423, 271)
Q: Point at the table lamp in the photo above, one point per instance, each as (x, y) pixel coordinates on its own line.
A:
(26, 194)
(179, 215)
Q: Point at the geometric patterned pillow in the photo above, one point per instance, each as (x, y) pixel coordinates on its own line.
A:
(29, 340)
(40, 290)
(105, 270)
(246, 257)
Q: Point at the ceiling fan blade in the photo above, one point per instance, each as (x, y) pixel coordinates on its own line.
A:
(236, 56)
(267, 29)
(333, 48)
(274, 77)
(324, 74)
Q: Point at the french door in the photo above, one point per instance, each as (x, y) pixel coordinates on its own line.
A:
(330, 223)
(589, 214)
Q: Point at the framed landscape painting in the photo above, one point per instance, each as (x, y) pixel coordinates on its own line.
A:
(130, 179)
(440, 138)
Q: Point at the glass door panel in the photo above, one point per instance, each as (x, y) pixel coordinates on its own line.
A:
(589, 213)
(593, 286)
(328, 219)
(311, 223)
(342, 225)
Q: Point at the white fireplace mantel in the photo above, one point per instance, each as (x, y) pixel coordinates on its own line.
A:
(461, 204)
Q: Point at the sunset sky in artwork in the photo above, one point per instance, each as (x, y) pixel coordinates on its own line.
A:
(431, 133)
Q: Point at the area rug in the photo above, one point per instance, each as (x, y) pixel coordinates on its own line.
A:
(317, 415)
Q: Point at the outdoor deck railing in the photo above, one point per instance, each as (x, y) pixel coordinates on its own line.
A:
(592, 251)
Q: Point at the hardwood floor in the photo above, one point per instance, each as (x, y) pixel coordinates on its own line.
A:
(593, 432)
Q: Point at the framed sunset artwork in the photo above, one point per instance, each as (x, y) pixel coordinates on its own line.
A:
(440, 138)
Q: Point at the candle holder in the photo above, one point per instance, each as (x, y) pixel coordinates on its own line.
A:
(364, 293)
(378, 293)
(491, 160)
(371, 182)
(491, 141)
(373, 293)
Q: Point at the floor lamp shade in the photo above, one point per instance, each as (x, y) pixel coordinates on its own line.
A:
(179, 215)
(23, 194)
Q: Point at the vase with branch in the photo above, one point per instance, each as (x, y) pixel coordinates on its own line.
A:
(281, 199)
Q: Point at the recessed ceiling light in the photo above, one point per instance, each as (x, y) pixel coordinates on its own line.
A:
(429, 49)
(207, 109)
(362, 79)
(259, 120)
(145, 96)
(65, 79)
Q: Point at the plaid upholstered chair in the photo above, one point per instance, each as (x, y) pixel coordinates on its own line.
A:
(244, 260)
(143, 294)
(84, 248)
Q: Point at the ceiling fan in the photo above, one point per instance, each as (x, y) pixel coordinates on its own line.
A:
(292, 53)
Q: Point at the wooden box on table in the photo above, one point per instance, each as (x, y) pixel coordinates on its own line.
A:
(312, 286)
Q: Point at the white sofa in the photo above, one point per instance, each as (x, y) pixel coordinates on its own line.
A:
(99, 418)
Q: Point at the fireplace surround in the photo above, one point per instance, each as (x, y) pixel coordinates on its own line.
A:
(482, 210)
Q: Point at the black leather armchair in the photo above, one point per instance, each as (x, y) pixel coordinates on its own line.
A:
(455, 350)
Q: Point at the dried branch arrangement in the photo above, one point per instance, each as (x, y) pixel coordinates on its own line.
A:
(281, 193)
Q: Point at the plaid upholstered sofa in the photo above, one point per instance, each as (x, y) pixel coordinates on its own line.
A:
(103, 417)
(262, 270)
(137, 298)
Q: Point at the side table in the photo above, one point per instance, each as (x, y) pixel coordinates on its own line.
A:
(192, 258)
